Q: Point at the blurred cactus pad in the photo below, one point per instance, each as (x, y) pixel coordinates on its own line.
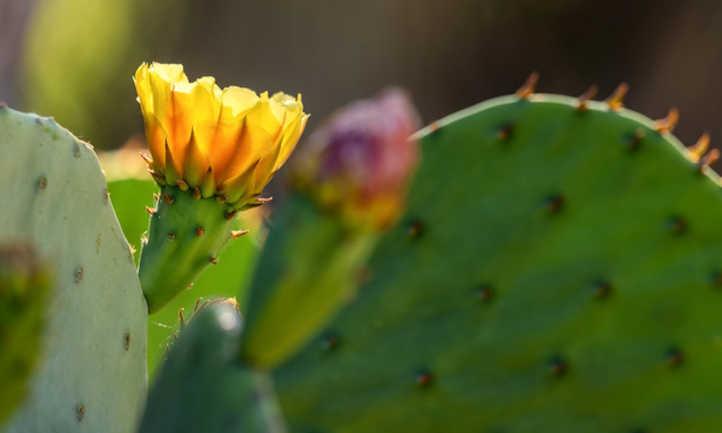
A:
(558, 270)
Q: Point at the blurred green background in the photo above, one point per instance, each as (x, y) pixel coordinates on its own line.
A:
(73, 58)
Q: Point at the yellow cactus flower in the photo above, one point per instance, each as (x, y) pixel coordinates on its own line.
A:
(218, 142)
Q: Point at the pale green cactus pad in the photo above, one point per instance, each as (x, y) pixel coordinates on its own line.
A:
(93, 375)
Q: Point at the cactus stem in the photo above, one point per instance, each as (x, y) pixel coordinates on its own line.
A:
(529, 87)
(151, 211)
(708, 159)
(213, 260)
(697, 150)
(585, 97)
(200, 231)
(235, 234)
(667, 124)
(616, 101)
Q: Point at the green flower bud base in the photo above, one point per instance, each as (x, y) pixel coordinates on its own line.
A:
(185, 235)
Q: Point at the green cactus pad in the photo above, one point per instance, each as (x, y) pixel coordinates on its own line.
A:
(312, 268)
(93, 375)
(202, 387)
(25, 283)
(558, 271)
(186, 234)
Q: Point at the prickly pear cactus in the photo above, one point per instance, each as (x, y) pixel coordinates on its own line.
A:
(558, 271)
(25, 283)
(202, 387)
(92, 378)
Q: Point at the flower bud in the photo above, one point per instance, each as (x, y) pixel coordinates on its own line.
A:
(359, 162)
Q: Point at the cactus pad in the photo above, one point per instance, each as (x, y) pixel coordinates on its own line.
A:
(93, 375)
(558, 271)
(202, 387)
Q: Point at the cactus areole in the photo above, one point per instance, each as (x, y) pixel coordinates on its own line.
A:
(213, 151)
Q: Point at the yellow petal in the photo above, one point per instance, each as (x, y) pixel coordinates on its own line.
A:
(170, 72)
(141, 81)
(196, 163)
(194, 107)
(238, 100)
(162, 79)
(202, 136)
(156, 137)
(238, 187)
(267, 115)
(290, 139)
(206, 101)
(288, 102)
(257, 140)
(235, 102)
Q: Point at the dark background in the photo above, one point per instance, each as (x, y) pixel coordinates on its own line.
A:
(73, 58)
